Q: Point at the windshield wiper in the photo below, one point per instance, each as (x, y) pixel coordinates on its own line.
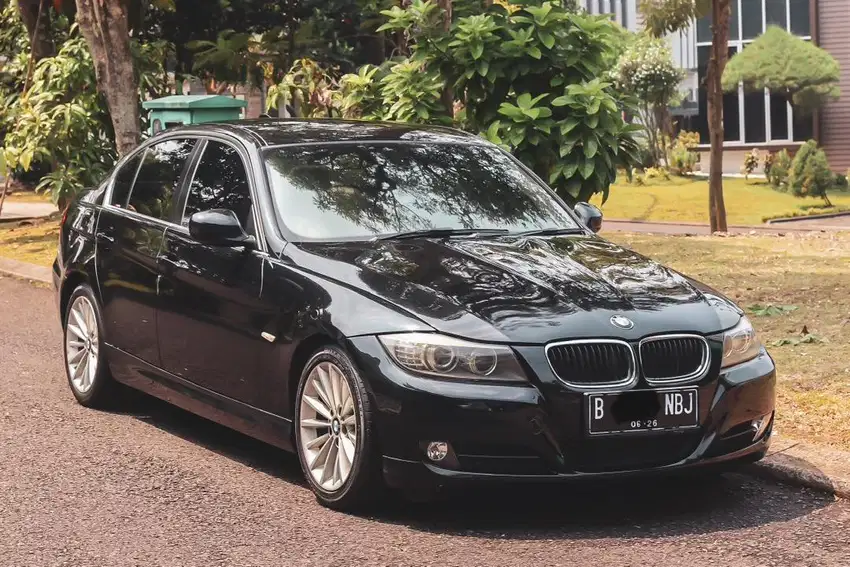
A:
(440, 232)
(549, 232)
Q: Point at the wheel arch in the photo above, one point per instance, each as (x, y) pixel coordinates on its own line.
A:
(301, 355)
(71, 282)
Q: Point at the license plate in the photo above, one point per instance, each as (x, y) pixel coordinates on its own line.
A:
(642, 410)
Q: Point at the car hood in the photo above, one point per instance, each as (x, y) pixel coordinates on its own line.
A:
(528, 290)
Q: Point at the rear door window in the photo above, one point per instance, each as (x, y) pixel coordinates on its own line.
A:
(158, 178)
(220, 182)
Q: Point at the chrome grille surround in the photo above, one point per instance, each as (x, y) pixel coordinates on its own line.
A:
(628, 380)
(698, 372)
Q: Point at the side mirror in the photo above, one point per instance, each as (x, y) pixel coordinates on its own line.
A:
(590, 214)
(218, 227)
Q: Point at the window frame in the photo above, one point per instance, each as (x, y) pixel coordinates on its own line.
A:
(739, 43)
(190, 178)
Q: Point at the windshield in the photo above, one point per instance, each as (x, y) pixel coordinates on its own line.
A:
(343, 191)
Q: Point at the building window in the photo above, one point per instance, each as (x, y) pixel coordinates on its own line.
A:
(754, 118)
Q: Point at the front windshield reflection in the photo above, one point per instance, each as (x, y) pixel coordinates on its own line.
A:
(360, 191)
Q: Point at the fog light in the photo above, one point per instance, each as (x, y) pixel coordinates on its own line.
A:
(760, 425)
(437, 450)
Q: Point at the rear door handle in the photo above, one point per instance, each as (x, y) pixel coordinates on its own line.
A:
(103, 237)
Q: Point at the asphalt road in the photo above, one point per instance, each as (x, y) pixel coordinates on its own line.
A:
(153, 485)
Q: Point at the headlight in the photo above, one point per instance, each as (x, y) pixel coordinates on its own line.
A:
(740, 344)
(446, 357)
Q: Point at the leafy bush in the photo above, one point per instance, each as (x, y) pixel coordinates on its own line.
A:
(526, 78)
(63, 121)
(767, 163)
(647, 72)
(60, 132)
(653, 173)
(751, 163)
(312, 87)
(681, 158)
(690, 140)
(810, 172)
(780, 170)
(840, 182)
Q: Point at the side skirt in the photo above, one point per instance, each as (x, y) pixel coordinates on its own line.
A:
(254, 422)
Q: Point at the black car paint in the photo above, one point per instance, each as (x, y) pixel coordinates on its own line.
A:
(211, 307)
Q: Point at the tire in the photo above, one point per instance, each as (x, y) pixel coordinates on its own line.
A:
(362, 486)
(93, 388)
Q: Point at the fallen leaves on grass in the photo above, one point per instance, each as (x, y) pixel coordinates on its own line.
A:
(794, 341)
(770, 309)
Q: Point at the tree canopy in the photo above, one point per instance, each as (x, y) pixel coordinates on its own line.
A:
(786, 65)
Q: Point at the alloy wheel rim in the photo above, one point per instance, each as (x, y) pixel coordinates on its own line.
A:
(328, 426)
(81, 344)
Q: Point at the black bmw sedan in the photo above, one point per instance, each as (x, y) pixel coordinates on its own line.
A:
(400, 306)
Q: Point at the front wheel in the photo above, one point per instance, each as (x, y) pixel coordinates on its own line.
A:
(333, 432)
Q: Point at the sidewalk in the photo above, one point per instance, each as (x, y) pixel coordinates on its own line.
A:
(16, 211)
(682, 228)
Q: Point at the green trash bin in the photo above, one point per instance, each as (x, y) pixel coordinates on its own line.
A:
(191, 109)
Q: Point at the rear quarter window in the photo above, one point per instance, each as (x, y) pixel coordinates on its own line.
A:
(124, 178)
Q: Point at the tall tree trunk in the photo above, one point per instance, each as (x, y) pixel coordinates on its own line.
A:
(104, 24)
(720, 13)
(447, 96)
(38, 28)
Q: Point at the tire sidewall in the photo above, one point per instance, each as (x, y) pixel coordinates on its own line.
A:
(360, 469)
(99, 382)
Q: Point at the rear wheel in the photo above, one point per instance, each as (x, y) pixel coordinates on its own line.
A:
(85, 362)
(333, 432)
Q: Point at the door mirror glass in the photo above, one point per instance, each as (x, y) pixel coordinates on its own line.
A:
(218, 227)
(590, 215)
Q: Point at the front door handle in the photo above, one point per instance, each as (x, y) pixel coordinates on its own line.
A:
(103, 237)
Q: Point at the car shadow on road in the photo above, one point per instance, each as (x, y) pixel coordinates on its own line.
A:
(639, 508)
(214, 437)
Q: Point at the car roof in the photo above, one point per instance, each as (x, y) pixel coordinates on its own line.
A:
(284, 131)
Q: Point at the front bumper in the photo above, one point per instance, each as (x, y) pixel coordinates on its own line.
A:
(537, 431)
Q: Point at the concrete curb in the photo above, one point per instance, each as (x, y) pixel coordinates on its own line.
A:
(785, 220)
(26, 271)
(811, 466)
(798, 464)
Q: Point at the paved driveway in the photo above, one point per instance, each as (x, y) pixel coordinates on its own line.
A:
(154, 485)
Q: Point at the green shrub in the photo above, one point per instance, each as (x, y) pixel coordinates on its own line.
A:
(810, 172)
(531, 79)
(656, 173)
(751, 163)
(682, 160)
(780, 170)
(840, 182)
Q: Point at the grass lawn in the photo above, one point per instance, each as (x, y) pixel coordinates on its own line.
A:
(811, 272)
(31, 243)
(685, 199)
